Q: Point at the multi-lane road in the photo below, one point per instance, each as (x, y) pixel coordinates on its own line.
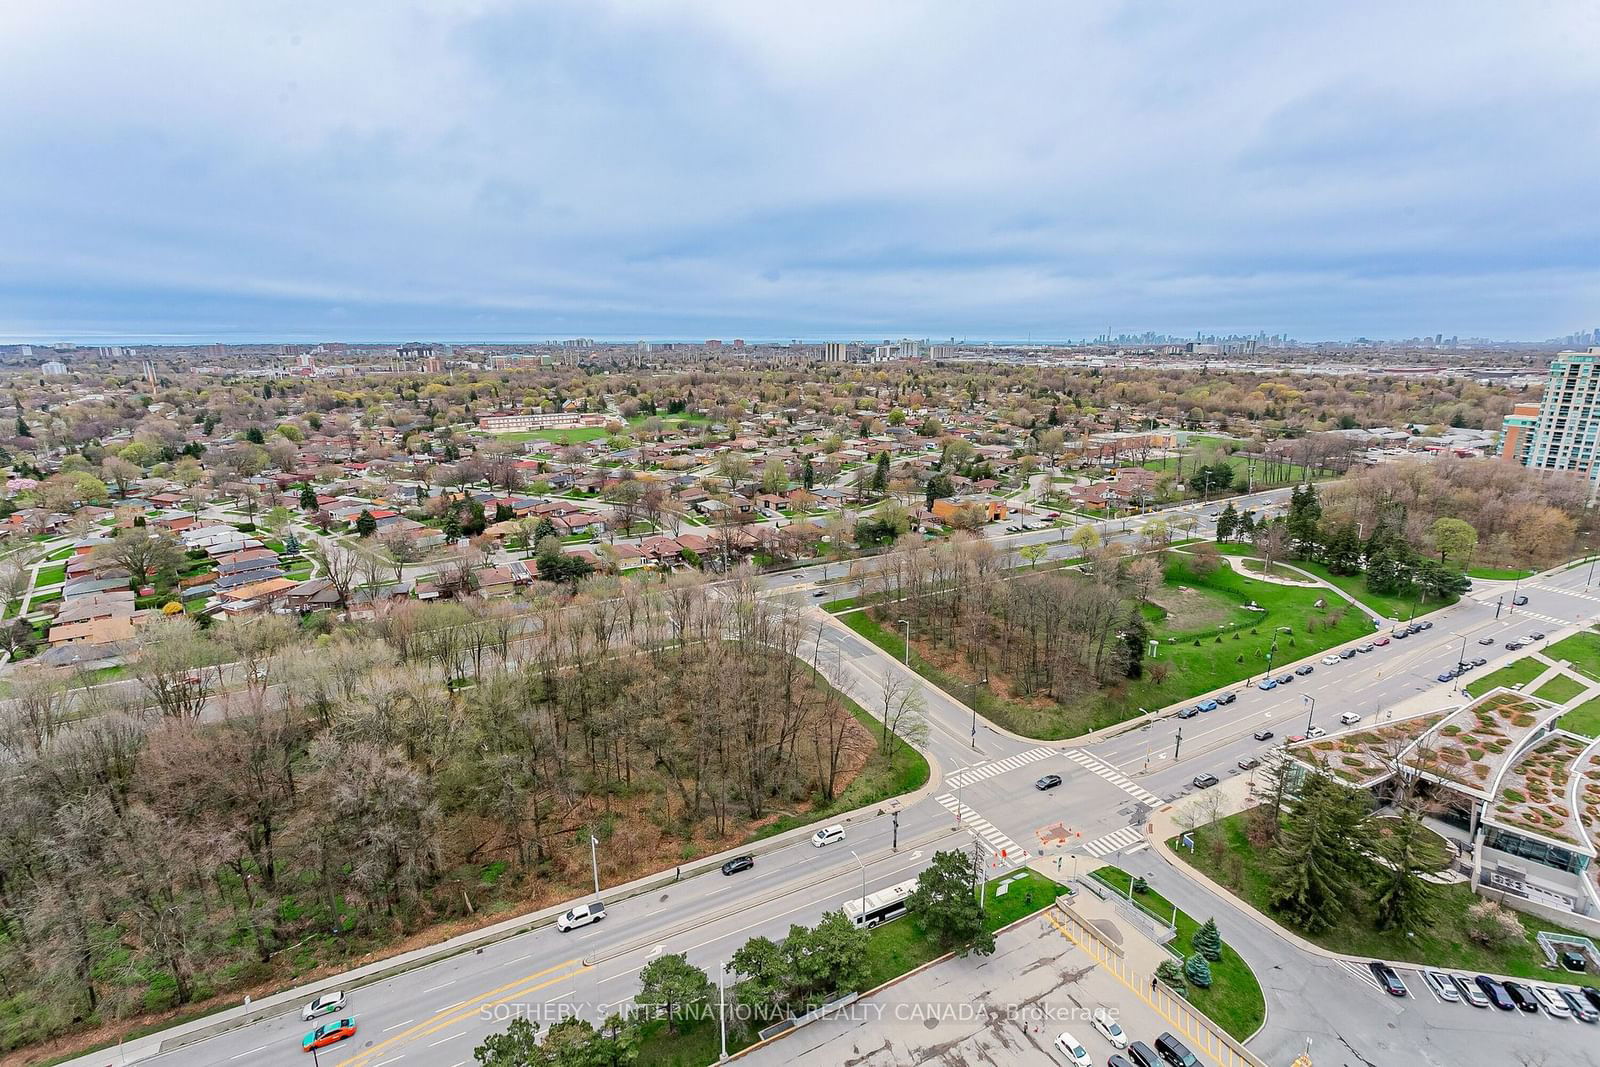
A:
(435, 1014)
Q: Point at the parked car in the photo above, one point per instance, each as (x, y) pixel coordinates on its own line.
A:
(1175, 1052)
(1581, 1009)
(1519, 600)
(819, 593)
(1442, 986)
(1207, 705)
(1536, 636)
(1330, 660)
(1365, 648)
(1263, 735)
(1268, 683)
(1496, 993)
(1316, 732)
(1114, 1060)
(1249, 763)
(1304, 670)
(1592, 995)
(1522, 997)
(1388, 978)
(1424, 625)
(1554, 1004)
(1227, 698)
(1380, 641)
(326, 1004)
(1399, 635)
(1143, 1055)
(1512, 646)
(1110, 1029)
(738, 863)
(1347, 653)
(1204, 781)
(1485, 640)
(1285, 679)
(1073, 1052)
(582, 915)
(1189, 712)
(1469, 991)
(828, 835)
(1049, 781)
(328, 1034)
(1349, 718)
(1447, 676)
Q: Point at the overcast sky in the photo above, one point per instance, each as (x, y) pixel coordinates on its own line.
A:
(468, 169)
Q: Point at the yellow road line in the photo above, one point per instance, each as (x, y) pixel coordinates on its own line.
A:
(467, 1008)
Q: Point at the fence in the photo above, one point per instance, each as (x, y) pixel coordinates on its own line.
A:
(1192, 1027)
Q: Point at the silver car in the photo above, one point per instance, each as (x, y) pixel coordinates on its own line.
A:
(326, 1004)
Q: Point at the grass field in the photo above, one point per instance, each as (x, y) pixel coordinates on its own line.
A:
(574, 435)
(1559, 689)
(1517, 672)
(1206, 634)
(1234, 1001)
(1496, 574)
(54, 574)
(1583, 719)
(1389, 605)
(1582, 650)
(1225, 853)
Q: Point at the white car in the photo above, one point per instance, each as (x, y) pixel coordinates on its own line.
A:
(326, 1004)
(1552, 1002)
(1110, 1029)
(582, 915)
(1075, 1053)
(1330, 661)
(1442, 987)
(827, 835)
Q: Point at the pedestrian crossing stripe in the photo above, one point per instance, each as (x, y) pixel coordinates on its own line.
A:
(989, 770)
(998, 841)
(1115, 841)
(1112, 775)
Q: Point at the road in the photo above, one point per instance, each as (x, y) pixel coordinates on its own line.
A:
(434, 1014)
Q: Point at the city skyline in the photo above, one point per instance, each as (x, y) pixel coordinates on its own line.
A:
(500, 171)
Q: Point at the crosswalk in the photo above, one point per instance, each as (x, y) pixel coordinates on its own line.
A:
(1115, 841)
(1004, 850)
(989, 770)
(1112, 775)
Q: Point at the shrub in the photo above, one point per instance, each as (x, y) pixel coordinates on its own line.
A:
(1172, 974)
(1198, 971)
(1492, 924)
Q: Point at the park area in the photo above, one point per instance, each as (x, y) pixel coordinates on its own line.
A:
(1203, 632)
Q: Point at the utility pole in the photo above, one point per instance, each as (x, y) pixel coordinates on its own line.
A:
(895, 841)
(1177, 745)
(594, 861)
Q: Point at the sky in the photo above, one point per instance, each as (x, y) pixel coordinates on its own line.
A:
(485, 169)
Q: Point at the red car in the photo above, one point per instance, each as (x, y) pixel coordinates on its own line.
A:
(329, 1033)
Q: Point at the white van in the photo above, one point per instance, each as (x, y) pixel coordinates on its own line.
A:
(827, 835)
(1349, 718)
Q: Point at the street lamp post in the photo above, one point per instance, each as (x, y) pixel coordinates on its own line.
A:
(1311, 704)
(907, 624)
(1460, 662)
(722, 1009)
(863, 867)
(594, 861)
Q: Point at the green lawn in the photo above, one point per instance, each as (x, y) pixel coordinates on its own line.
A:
(898, 947)
(1225, 853)
(1560, 689)
(54, 574)
(1518, 672)
(1582, 650)
(574, 435)
(1201, 660)
(43, 598)
(1234, 1001)
(61, 553)
(833, 607)
(1389, 605)
(1583, 719)
(1497, 574)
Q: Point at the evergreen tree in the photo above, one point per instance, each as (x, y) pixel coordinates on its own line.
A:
(945, 904)
(808, 476)
(1305, 512)
(1341, 550)
(1320, 853)
(255, 436)
(366, 525)
(1227, 522)
(1245, 529)
(308, 498)
(22, 428)
(1197, 971)
(1136, 637)
(1409, 851)
(1171, 973)
(880, 475)
(1207, 941)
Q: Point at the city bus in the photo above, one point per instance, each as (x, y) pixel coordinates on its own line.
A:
(880, 907)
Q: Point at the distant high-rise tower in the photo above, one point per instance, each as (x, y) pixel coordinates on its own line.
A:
(1565, 433)
(835, 352)
(150, 373)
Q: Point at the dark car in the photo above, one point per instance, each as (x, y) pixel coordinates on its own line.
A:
(1478, 661)
(1305, 670)
(1188, 713)
(1347, 653)
(738, 863)
(1495, 992)
(1593, 994)
(1175, 1052)
(1512, 646)
(1400, 635)
(1049, 781)
(1227, 698)
(1522, 997)
(1581, 1009)
(1485, 640)
(1204, 781)
(1285, 679)
(1574, 961)
(1143, 1055)
(1519, 600)
(1116, 1061)
(1387, 978)
(1536, 636)
(1263, 735)
(1447, 676)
